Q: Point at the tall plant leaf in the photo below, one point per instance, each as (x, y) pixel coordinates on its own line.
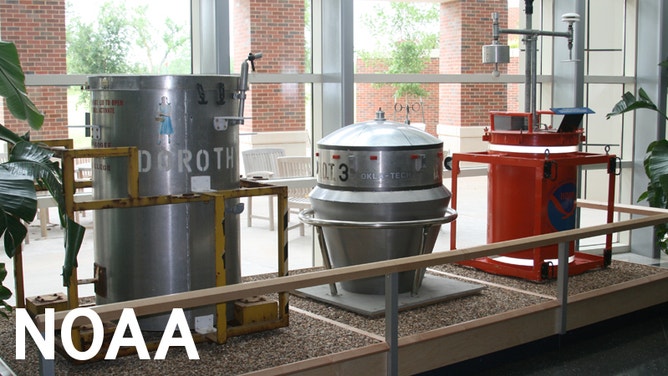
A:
(630, 103)
(9, 136)
(17, 203)
(4, 292)
(12, 87)
(74, 234)
(16, 195)
(34, 162)
(655, 162)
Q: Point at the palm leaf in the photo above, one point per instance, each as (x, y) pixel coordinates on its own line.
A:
(34, 161)
(18, 202)
(630, 103)
(74, 234)
(8, 135)
(17, 195)
(12, 87)
(656, 164)
(5, 293)
(15, 232)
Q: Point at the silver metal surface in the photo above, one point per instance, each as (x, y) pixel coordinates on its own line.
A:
(562, 289)
(392, 322)
(379, 155)
(164, 249)
(306, 216)
(495, 53)
(378, 172)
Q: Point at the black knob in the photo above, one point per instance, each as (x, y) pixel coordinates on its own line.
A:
(447, 163)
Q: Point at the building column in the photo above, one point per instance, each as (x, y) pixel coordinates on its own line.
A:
(276, 30)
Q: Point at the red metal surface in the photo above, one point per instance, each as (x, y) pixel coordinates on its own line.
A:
(582, 262)
(494, 114)
(543, 138)
(523, 201)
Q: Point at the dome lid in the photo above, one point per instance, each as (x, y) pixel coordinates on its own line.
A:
(379, 133)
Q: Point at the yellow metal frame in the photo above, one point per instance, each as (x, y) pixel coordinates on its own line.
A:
(246, 189)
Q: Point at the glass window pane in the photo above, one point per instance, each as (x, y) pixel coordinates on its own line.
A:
(396, 37)
(605, 63)
(606, 28)
(602, 131)
(280, 116)
(78, 104)
(138, 37)
(606, 38)
(441, 104)
(282, 32)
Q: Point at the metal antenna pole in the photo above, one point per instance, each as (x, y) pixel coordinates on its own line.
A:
(496, 53)
(529, 43)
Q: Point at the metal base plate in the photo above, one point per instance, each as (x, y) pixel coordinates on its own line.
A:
(434, 290)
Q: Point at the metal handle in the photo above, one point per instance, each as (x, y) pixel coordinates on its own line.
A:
(307, 217)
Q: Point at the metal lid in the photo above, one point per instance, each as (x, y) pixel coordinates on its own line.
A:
(160, 82)
(379, 133)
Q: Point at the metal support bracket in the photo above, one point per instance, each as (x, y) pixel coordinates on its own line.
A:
(221, 123)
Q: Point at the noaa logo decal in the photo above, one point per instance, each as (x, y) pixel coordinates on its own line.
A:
(561, 207)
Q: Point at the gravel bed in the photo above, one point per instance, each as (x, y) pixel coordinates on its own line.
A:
(617, 272)
(307, 336)
(304, 338)
(489, 302)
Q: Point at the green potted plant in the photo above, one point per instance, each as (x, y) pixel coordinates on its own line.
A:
(655, 162)
(28, 164)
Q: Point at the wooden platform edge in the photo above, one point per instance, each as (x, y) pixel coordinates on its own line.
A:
(449, 345)
(617, 300)
(468, 340)
(372, 358)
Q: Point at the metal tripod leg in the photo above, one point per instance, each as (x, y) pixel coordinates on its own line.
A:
(417, 279)
(325, 258)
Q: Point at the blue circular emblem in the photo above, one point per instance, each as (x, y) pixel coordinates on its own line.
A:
(561, 207)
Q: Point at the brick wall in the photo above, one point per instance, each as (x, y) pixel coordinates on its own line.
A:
(37, 27)
(275, 28)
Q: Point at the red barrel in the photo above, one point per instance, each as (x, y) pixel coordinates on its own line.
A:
(532, 190)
